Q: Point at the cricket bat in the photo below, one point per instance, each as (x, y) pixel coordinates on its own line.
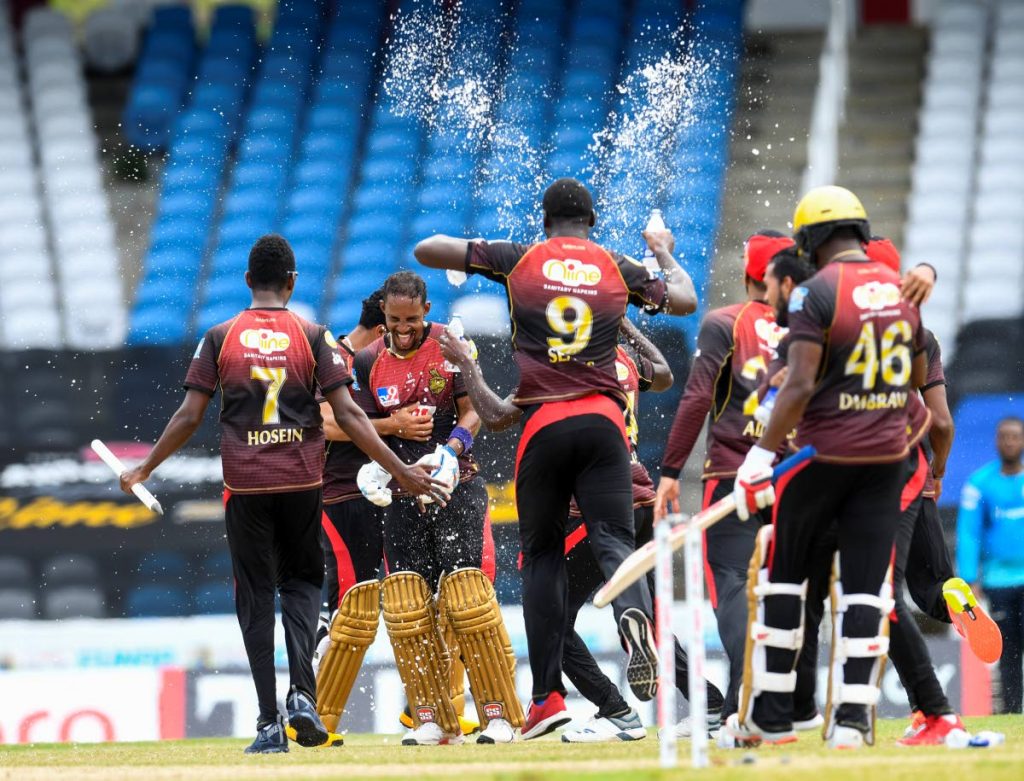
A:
(641, 561)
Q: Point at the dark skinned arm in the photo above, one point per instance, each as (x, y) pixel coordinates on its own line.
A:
(352, 420)
(177, 432)
(797, 389)
(495, 412)
(662, 379)
(940, 436)
(468, 419)
(440, 251)
(402, 423)
(682, 295)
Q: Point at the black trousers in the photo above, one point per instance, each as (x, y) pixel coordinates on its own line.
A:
(352, 533)
(929, 564)
(728, 546)
(578, 663)
(274, 541)
(1007, 606)
(863, 500)
(440, 540)
(583, 456)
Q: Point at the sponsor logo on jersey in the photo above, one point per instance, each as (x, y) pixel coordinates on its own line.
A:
(572, 273)
(621, 371)
(199, 348)
(329, 338)
(876, 295)
(437, 382)
(388, 397)
(425, 714)
(265, 340)
(494, 710)
(336, 359)
(769, 332)
(796, 299)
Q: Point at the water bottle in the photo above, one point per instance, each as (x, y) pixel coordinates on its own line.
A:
(763, 413)
(458, 330)
(987, 739)
(455, 277)
(656, 222)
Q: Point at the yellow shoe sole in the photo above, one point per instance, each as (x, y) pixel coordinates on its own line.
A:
(333, 739)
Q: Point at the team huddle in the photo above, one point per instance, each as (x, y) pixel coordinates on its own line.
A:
(358, 453)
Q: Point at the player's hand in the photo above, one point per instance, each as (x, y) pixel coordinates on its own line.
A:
(753, 489)
(918, 284)
(666, 500)
(776, 380)
(132, 476)
(659, 241)
(937, 482)
(415, 479)
(410, 424)
(455, 350)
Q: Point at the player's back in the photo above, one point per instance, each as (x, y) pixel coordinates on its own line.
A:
(859, 410)
(271, 430)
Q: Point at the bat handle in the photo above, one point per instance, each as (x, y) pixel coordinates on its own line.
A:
(117, 467)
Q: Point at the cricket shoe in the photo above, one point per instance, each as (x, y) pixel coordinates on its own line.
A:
(918, 721)
(270, 739)
(309, 730)
(546, 717)
(642, 669)
(684, 729)
(431, 734)
(971, 621)
(334, 740)
(845, 737)
(468, 726)
(748, 734)
(497, 731)
(935, 731)
(608, 729)
(817, 721)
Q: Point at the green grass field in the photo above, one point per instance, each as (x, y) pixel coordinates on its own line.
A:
(382, 756)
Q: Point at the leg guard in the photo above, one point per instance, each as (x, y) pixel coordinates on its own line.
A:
(844, 648)
(353, 627)
(420, 654)
(486, 650)
(756, 678)
(457, 688)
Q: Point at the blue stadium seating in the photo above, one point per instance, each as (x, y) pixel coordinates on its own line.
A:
(156, 602)
(212, 597)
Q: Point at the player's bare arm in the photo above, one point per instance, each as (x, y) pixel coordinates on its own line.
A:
(796, 390)
(468, 419)
(352, 420)
(941, 434)
(662, 379)
(404, 423)
(179, 430)
(496, 413)
(440, 251)
(918, 284)
(682, 295)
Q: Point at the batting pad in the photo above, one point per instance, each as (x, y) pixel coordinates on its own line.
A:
(420, 654)
(353, 627)
(473, 612)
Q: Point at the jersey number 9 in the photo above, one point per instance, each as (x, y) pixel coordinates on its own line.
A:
(568, 316)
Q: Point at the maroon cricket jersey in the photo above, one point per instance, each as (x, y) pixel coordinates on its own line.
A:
(567, 297)
(270, 365)
(387, 382)
(735, 345)
(635, 374)
(936, 376)
(859, 410)
(343, 459)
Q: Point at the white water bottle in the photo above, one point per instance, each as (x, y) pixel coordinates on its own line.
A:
(656, 222)
(458, 330)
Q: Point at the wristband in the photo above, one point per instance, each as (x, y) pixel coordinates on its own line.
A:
(464, 436)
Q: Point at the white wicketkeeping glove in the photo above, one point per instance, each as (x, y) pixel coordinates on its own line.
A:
(373, 480)
(444, 465)
(753, 489)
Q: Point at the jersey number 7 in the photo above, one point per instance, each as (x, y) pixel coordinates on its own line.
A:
(276, 377)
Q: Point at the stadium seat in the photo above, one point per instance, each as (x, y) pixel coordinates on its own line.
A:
(156, 601)
(17, 603)
(15, 572)
(69, 570)
(73, 602)
(215, 596)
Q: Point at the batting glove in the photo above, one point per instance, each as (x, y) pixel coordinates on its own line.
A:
(373, 480)
(753, 489)
(444, 466)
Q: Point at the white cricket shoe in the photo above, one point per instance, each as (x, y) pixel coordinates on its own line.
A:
(817, 721)
(497, 731)
(608, 729)
(748, 734)
(846, 738)
(684, 729)
(431, 734)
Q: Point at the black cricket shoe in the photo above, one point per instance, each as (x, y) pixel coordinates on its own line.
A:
(270, 739)
(303, 718)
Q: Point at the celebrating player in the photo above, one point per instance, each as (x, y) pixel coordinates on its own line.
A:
(443, 547)
(268, 364)
(567, 297)
(734, 346)
(856, 351)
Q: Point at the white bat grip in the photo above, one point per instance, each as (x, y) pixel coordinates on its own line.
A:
(117, 467)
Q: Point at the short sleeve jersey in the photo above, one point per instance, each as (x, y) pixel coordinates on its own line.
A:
(566, 298)
(423, 379)
(270, 365)
(343, 458)
(734, 348)
(936, 376)
(859, 410)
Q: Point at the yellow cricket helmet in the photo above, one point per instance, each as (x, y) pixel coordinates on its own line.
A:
(824, 209)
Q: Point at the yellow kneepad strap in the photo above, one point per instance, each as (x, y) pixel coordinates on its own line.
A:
(420, 654)
(353, 627)
(473, 611)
